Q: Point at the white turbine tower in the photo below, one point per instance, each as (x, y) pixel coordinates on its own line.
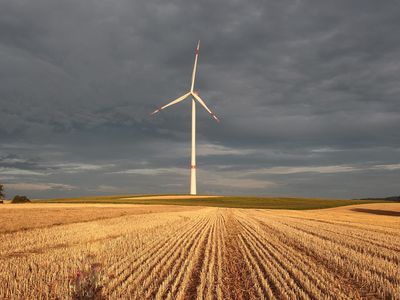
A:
(195, 97)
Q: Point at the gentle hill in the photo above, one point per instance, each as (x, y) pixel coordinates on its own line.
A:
(391, 198)
(215, 201)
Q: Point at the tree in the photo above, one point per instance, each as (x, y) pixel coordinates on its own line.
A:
(20, 199)
(2, 195)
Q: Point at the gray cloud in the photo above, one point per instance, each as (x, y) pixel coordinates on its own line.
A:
(298, 85)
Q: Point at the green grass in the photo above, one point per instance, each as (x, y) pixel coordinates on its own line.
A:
(226, 201)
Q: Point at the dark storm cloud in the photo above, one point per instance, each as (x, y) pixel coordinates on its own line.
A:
(307, 92)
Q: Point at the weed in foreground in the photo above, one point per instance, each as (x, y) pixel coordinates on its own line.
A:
(87, 282)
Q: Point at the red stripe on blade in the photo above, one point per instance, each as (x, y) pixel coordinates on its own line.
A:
(215, 117)
(154, 112)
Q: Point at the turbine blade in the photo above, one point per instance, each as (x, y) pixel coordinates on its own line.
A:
(177, 100)
(197, 97)
(196, 52)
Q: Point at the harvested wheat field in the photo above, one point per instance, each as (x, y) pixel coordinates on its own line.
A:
(167, 252)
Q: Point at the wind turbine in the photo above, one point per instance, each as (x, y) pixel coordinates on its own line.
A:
(195, 97)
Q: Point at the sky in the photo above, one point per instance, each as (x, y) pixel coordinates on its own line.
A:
(307, 92)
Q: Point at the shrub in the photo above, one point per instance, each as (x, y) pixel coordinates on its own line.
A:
(20, 199)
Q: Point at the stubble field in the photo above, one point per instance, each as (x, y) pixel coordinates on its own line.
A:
(174, 252)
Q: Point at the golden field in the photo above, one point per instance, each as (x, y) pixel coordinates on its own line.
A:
(122, 251)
